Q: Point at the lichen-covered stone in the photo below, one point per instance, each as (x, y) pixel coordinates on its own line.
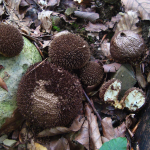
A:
(13, 70)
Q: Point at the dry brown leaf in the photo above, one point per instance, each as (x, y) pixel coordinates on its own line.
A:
(46, 21)
(61, 144)
(109, 132)
(128, 22)
(140, 77)
(12, 123)
(91, 16)
(142, 6)
(3, 84)
(96, 27)
(93, 128)
(83, 136)
(76, 125)
(111, 67)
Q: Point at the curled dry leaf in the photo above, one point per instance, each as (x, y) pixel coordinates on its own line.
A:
(76, 125)
(93, 128)
(96, 27)
(61, 144)
(142, 6)
(3, 84)
(128, 22)
(83, 136)
(46, 20)
(111, 67)
(109, 132)
(91, 16)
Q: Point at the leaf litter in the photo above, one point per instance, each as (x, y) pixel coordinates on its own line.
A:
(35, 19)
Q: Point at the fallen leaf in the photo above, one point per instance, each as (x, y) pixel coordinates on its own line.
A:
(119, 143)
(128, 22)
(39, 146)
(52, 3)
(96, 27)
(109, 132)
(111, 67)
(61, 144)
(46, 21)
(93, 128)
(140, 77)
(12, 123)
(142, 6)
(91, 16)
(3, 84)
(83, 136)
(76, 125)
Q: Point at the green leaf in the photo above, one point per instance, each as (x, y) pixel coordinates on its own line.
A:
(119, 143)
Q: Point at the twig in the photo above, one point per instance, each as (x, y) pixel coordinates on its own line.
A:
(95, 111)
(39, 50)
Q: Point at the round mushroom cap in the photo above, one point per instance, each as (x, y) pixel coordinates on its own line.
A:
(69, 51)
(92, 73)
(11, 41)
(127, 46)
(49, 96)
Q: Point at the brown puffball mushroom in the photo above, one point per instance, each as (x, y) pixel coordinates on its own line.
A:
(69, 51)
(11, 41)
(91, 74)
(134, 99)
(49, 96)
(109, 92)
(127, 46)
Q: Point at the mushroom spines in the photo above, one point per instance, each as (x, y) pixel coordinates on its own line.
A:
(11, 40)
(127, 46)
(69, 51)
(49, 96)
(91, 74)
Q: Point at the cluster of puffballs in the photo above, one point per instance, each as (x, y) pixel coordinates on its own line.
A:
(49, 95)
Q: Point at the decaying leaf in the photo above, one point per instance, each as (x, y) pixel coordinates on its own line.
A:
(142, 6)
(83, 136)
(76, 125)
(128, 22)
(46, 20)
(3, 84)
(96, 27)
(94, 133)
(12, 123)
(91, 16)
(109, 132)
(61, 144)
(39, 146)
(140, 77)
(111, 67)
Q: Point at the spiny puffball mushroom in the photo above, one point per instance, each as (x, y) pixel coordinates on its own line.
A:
(127, 46)
(69, 51)
(11, 41)
(109, 92)
(91, 74)
(49, 96)
(133, 99)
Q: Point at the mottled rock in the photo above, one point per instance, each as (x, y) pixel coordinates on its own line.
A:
(126, 75)
(12, 72)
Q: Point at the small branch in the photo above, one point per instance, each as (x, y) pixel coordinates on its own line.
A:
(95, 111)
